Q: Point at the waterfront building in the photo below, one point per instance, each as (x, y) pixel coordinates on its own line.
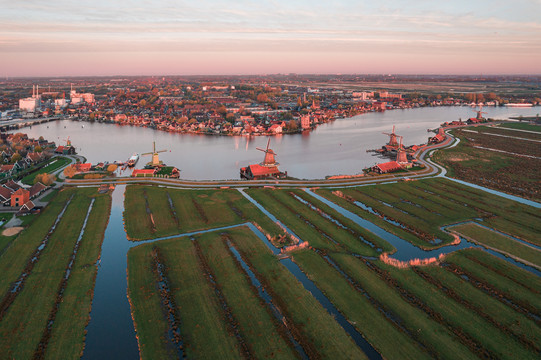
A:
(31, 104)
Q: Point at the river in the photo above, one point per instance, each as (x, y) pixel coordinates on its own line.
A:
(335, 148)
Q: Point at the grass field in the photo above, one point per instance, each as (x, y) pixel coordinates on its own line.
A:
(181, 211)
(205, 328)
(522, 126)
(499, 242)
(22, 330)
(415, 211)
(506, 172)
(53, 165)
(309, 223)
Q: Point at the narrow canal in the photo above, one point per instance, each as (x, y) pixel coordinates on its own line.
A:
(111, 334)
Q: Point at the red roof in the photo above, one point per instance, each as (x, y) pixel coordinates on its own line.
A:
(36, 188)
(258, 170)
(389, 166)
(143, 172)
(5, 192)
(20, 191)
(82, 167)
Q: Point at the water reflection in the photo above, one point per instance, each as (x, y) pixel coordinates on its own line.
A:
(332, 149)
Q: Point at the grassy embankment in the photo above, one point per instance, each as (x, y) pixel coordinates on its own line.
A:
(311, 226)
(422, 207)
(191, 210)
(499, 242)
(21, 329)
(513, 174)
(53, 165)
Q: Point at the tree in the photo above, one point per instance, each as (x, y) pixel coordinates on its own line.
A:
(262, 98)
(45, 179)
(69, 172)
(221, 110)
(292, 125)
(16, 157)
(112, 168)
(38, 149)
(230, 117)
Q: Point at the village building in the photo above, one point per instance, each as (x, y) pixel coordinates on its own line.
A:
(265, 170)
(20, 197)
(65, 150)
(144, 172)
(387, 167)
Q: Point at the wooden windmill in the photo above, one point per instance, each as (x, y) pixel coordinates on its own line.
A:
(68, 141)
(401, 156)
(480, 113)
(392, 138)
(155, 157)
(269, 156)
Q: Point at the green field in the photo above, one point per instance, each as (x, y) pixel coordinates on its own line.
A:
(522, 126)
(428, 312)
(416, 214)
(53, 165)
(206, 331)
(501, 170)
(22, 330)
(500, 243)
(182, 211)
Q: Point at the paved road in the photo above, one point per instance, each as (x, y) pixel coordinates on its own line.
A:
(431, 169)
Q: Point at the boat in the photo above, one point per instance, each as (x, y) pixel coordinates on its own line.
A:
(519, 105)
(133, 160)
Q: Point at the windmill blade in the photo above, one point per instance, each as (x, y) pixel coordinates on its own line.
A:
(149, 153)
(260, 149)
(161, 151)
(268, 144)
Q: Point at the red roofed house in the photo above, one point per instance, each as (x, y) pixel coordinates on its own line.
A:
(277, 129)
(143, 172)
(27, 207)
(440, 136)
(20, 197)
(387, 167)
(12, 185)
(256, 171)
(5, 195)
(34, 157)
(82, 167)
(7, 169)
(37, 189)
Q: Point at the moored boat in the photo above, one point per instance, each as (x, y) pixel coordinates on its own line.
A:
(133, 160)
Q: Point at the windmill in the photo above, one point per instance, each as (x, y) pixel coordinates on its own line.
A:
(479, 112)
(68, 141)
(269, 156)
(155, 157)
(392, 138)
(401, 156)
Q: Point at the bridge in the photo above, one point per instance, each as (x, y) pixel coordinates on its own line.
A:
(19, 123)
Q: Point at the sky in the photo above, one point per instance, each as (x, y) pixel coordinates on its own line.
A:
(177, 37)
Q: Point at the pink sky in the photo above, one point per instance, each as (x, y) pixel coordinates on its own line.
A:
(62, 37)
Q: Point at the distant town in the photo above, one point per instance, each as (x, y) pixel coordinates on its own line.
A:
(259, 105)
